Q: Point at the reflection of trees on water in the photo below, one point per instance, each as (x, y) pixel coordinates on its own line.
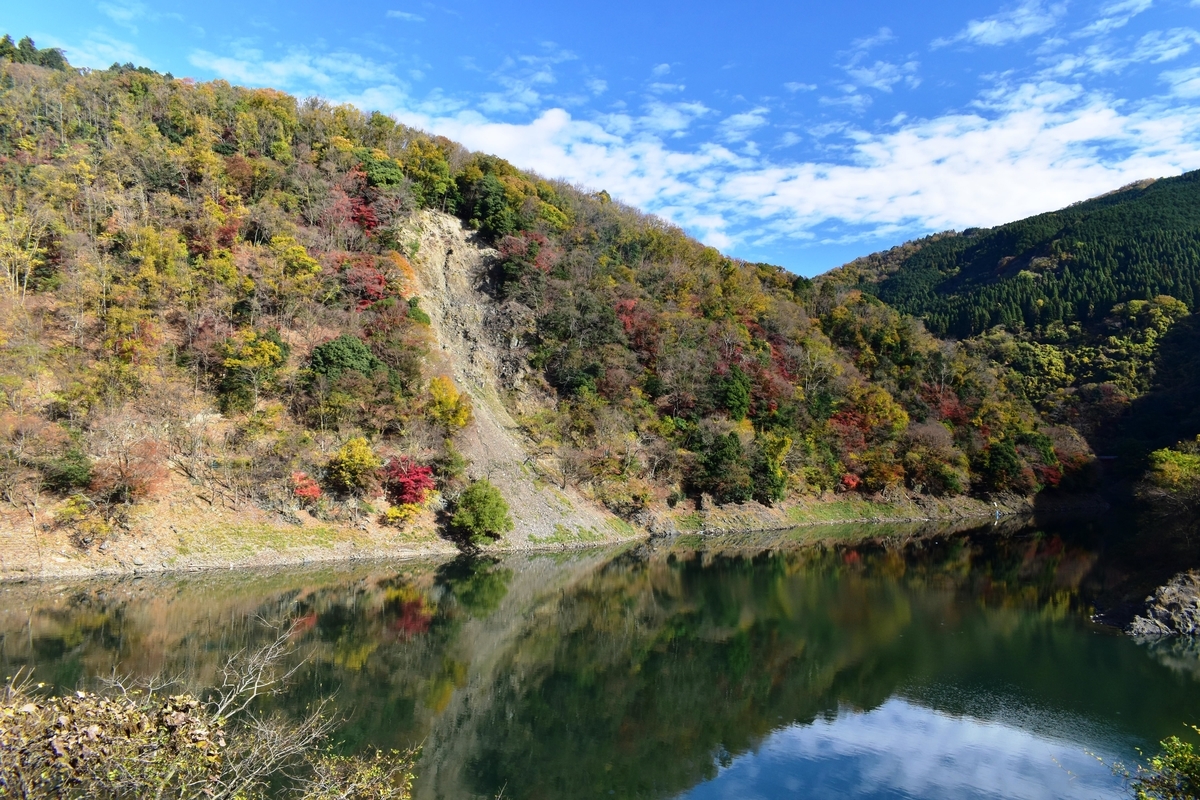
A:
(649, 668)
(632, 673)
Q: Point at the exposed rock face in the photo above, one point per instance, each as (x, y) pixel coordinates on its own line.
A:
(1173, 610)
(474, 345)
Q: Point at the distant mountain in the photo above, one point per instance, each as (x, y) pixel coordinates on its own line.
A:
(1088, 311)
(1071, 265)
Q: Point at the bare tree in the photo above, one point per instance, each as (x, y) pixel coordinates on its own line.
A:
(135, 740)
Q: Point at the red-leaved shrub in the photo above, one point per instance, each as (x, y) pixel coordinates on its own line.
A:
(305, 488)
(406, 481)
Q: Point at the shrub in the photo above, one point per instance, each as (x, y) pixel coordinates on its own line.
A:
(72, 470)
(396, 516)
(481, 513)
(131, 472)
(722, 469)
(366, 284)
(451, 468)
(406, 481)
(448, 407)
(416, 313)
(132, 743)
(734, 393)
(250, 360)
(1174, 475)
(293, 256)
(344, 354)
(305, 488)
(1173, 774)
(352, 468)
(769, 476)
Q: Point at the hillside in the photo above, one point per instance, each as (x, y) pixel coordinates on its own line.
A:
(1088, 309)
(1066, 266)
(303, 314)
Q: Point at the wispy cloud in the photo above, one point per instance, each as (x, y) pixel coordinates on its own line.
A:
(1184, 82)
(404, 16)
(1027, 19)
(298, 68)
(1026, 148)
(1160, 46)
(861, 73)
(882, 36)
(99, 50)
(1027, 141)
(669, 117)
(1115, 15)
(124, 12)
(883, 75)
(1155, 47)
(853, 100)
(737, 127)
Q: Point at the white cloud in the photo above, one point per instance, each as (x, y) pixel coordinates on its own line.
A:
(124, 12)
(795, 86)
(1184, 82)
(882, 36)
(855, 101)
(1027, 19)
(901, 748)
(1025, 145)
(661, 70)
(1155, 47)
(671, 117)
(404, 16)
(737, 127)
(298, 68)
(99, 50)
(1160, 46)
(1026, 148)
(1116, 15)
(883, 75)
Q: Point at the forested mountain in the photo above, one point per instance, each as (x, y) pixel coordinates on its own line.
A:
(176, 251)
(1067, 266)
(1088, 308)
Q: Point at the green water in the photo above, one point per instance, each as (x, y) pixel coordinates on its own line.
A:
(950, 666)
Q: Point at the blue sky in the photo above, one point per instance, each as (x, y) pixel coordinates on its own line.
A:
(801, 133)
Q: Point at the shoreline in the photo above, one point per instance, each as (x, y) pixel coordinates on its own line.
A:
(164, 548)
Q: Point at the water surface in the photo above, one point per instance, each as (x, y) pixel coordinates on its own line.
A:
(956, 666)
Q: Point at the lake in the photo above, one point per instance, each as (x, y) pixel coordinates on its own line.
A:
(919, 664)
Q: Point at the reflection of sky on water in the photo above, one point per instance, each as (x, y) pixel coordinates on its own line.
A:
(902, 750)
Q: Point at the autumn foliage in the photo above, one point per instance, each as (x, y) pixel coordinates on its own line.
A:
(407, 482)
(230, 269)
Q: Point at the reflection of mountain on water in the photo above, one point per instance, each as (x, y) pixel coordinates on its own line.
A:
(631, 682)
(635, 674)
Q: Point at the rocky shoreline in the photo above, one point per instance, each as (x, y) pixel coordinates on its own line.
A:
(1173, 609)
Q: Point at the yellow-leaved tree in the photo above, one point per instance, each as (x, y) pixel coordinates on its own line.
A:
(448, 407)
